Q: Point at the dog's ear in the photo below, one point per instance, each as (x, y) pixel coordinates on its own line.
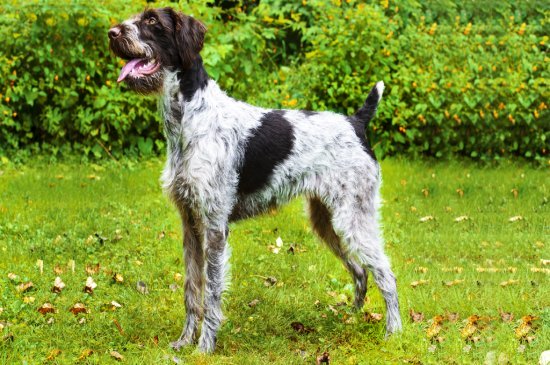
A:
(189, 33)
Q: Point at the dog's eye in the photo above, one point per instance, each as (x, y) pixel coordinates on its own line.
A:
(151, 21)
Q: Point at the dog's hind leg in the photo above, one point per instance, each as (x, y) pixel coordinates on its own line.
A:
(217, 273)
(194, 273)
(356, 219)
(321, 220)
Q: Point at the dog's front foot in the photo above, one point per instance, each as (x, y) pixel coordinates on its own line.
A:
(181, 342)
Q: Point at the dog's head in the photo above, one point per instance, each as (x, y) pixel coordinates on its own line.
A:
(154, 41)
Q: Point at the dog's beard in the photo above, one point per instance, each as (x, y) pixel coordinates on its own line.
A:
(146, 84)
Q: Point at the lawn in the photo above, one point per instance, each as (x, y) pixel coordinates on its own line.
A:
(464, 241)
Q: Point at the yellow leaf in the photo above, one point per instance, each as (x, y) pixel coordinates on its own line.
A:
(53, 354)
(416, 283)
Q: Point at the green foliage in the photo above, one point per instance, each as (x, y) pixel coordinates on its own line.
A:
(462, 79)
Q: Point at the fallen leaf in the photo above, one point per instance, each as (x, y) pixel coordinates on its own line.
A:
(72, 265)
(118, 235)
(323, 359)
(92, 269)
(142, 287)
(333, 310)
(58, 285)
(253, 303)
(112, 306)
(416, 283)
(270, 281)
(300, 328)
(53, 354)
(540, 269)
(24, 287)
(457, 269)
(515, 218)
(50, 320)
(118, 278)
(178, 276)
(58, 270)
(421, 269)
(426, 219)
(452, 317)
(462, 218)
(118, 326)
(525, 326)
(416, 316)
(161, 235)
(454, 282)
(471, 327)
(279, 242)
(544, 262)
(435, 327)
(506, 316)
(40, 264)
(156, 340)
(82, 320)
(460, 192)
(12, 276)
(372, 317)
(425, 192)
(544, 358)
(90, 285)
(78, 308)
(515, 192)
(117, 356)
(509, 282)
(28, 300)
(85, 354)
(46, 308)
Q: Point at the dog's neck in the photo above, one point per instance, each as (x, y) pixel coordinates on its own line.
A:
(192, 79)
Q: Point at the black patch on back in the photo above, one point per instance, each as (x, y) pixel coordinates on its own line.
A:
(193, 79)
(267, 147)
(359, 128)
(308, 113)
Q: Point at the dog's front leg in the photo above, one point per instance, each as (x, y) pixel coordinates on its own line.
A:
(217, 268)
(194, 280)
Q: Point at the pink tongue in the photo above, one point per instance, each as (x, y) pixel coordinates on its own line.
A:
(128, 67)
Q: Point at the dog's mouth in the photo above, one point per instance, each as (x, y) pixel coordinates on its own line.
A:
(138, 67)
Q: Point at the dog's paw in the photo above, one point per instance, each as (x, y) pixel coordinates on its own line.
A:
(207, 344)
(182, 342)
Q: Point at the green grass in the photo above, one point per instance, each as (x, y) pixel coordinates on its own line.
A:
(53, 213)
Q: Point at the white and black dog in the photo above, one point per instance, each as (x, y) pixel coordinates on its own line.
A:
(228, 160)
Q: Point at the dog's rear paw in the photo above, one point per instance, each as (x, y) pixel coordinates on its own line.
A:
(182, 342)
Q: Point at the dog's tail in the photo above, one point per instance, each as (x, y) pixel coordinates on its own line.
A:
(368, 110)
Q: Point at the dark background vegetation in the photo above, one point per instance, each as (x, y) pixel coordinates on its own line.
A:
(465, 78)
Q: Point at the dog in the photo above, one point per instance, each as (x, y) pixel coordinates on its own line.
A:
(228, 160)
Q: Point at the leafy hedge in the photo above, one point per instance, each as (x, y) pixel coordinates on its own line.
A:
(468, 79)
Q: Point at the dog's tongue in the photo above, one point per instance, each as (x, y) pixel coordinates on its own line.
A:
(128, 67)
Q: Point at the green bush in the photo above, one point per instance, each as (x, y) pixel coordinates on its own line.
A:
(462, 79)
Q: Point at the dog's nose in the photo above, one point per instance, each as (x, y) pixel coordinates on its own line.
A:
(114, 32)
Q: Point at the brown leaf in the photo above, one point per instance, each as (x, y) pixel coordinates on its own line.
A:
(253, 303)
(92, 269)
(156, 340)
(85, 354)
(23, 287)
(58, 285)
(90, 285)
(506, 316)
(416, 283)
(416, 316)
(46, 308)
(515, 192)
(53, 354)
(425, 192)
(78, 308)
(118, 278)
(270, 281)
(525, 326)
(372, 317)
(454, 282)
(300, 328)
(117, 356)
(118, 326)
(452, 317)
(460, 192)
(435, 327)
(323, 359)
(58, 270)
